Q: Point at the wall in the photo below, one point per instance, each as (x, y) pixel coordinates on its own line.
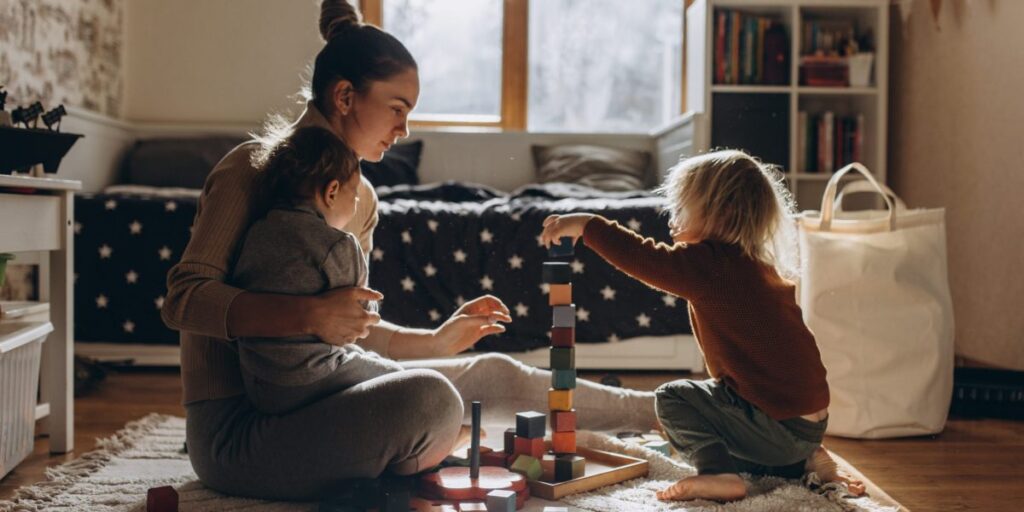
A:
(956, 115)
(63, 51)
(216, 61)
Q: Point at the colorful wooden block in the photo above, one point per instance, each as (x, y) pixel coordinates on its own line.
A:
(659, 446)
(556, 509)
(556, 272)
(533, 447)
(563, 337)
(501, 501)
(527, 466)
(560, 399)
(563, 316)
(568, 467)
(531, 424)
(493, 458)
(563, 379)
(162, 499)
(547, 467)
(562, 248)
(510, 441)
(563, 442)
(560, 295)
(472, 506)
(563, 421)
(563, 358)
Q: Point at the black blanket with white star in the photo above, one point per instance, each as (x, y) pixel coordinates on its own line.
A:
(436, 246)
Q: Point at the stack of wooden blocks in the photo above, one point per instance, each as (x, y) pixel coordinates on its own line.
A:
(563, 463)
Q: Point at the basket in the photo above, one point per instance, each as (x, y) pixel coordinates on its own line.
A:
(20, 351)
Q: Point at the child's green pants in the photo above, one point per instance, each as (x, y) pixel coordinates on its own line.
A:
(723, 433)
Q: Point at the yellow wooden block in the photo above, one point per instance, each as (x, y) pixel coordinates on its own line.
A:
(560, 399)
(561, 295)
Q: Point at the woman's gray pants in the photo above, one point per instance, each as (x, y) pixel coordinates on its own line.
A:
(404, 422)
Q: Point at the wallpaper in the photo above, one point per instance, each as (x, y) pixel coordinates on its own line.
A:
(63, 51)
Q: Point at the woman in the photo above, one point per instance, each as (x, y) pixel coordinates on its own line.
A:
(364, 85)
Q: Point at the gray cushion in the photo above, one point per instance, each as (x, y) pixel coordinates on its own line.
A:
(601, 167)
(175, 162)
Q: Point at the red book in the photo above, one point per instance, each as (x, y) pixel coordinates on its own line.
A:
(837, 146)
(720, 48)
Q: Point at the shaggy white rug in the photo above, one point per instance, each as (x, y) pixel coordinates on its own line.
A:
(147, 453)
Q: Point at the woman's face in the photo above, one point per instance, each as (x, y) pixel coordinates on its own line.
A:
(372, 122)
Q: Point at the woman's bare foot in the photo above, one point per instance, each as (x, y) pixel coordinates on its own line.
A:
(724, 487)
(465, 437)
(828, 471)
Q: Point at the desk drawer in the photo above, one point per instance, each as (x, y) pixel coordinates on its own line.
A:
(30, 223)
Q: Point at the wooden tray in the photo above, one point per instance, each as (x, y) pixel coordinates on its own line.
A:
(603, 468)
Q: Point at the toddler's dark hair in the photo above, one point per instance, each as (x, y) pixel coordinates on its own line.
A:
(303, 164)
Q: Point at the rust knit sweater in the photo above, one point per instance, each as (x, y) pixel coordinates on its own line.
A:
(744, 315)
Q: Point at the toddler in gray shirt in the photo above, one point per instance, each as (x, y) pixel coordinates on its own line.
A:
(310, 182)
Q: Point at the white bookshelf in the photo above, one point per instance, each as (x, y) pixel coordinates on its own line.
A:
(703, 95)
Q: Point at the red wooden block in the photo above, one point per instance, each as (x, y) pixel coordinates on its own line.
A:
(563, 442)
(532, 447)
(162, 499)
(563, 337)
(563, 421)
(499, 459)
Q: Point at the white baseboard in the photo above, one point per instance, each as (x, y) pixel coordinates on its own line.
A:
(644, 353)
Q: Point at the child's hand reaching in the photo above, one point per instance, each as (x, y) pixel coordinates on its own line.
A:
(558, 226)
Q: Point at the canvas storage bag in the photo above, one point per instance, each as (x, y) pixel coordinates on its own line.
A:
(874, 290)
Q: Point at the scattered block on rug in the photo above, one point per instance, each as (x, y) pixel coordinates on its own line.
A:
(501, 501)
(162, 499)
(472, 506)
(556, 509)
(527, 466)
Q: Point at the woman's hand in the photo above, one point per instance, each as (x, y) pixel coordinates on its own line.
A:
(475, 319)
(337, 316)
(559, 226)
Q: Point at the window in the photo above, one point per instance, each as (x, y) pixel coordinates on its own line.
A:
(458, 81)
(592, 65)
(604, 65)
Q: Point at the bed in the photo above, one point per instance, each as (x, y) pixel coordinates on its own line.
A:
(436, 246)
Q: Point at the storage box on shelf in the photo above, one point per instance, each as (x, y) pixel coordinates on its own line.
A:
(797, 122)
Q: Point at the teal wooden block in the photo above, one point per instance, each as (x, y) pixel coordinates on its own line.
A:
(563, 379)
(563, 359)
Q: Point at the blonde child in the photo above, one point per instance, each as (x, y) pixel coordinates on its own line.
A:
(764, 411)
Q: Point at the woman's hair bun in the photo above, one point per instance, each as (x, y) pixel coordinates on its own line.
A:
(336, 16)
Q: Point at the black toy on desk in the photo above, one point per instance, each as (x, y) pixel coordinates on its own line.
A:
(53, 117)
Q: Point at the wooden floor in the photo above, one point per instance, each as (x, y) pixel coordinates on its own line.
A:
(973, 465)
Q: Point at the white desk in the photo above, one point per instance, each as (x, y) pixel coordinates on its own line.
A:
(42, 220)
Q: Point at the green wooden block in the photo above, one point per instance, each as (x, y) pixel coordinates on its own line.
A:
(528, 467)
(563, 379)
(563, 358)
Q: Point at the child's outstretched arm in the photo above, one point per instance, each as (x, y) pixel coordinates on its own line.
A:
(679, 269)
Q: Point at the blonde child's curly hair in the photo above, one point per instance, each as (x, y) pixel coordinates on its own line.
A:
(733, 198)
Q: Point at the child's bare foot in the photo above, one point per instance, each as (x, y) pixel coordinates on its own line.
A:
(825, 466)
(724, 487)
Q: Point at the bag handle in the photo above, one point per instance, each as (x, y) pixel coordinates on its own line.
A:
(828, 201)
(861, 186)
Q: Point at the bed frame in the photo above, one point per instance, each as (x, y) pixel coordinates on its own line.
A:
(675, 353)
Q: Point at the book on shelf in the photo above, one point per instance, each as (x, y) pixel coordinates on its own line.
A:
(827, 142)
(749, 49)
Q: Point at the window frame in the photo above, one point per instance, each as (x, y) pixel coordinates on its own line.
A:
(514, 70)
